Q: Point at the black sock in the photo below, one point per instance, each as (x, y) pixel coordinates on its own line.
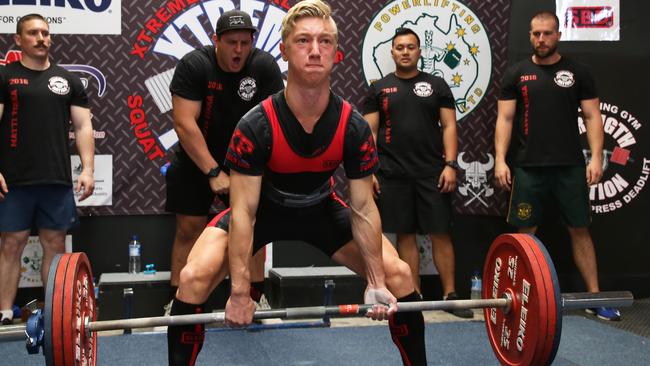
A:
(407, 331)
(172, 291)
(257, 290)
(184, 342)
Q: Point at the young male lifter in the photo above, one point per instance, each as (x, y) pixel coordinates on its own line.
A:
(282, 157)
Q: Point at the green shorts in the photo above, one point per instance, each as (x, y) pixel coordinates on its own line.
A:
(531, 186)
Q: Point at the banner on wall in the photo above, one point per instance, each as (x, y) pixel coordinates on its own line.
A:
(103, 193)
(626, 165)
(127, 76)
(589, 20)
(65, 17)
(31, 260)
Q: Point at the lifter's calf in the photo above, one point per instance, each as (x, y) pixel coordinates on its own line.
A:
(184, 342)
(406, 328)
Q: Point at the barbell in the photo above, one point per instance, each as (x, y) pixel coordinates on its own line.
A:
(521, 302)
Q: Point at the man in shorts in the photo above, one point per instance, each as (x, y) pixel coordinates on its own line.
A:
(212, 88)
(282, 156)
(413, 118)
(38, 100)
(541, 96)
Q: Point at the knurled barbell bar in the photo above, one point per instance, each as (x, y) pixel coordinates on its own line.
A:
(521, 301)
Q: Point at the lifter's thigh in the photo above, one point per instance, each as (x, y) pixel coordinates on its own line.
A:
(207, 266)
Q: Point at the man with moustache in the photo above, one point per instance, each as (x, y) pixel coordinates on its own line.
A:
(38, 100)
(413, 118)
(212, 88)
(541, 96)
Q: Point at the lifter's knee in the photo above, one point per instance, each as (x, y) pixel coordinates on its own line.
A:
(12, 246)
(398, 277)
(195, 283)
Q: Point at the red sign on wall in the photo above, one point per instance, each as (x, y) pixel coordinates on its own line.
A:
(589, 17)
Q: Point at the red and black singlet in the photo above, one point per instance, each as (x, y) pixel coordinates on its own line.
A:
(297, 165)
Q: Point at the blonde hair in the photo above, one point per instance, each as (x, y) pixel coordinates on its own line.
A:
(304, 9)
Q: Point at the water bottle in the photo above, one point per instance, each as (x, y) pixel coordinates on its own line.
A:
(477, 286)
(134, 255)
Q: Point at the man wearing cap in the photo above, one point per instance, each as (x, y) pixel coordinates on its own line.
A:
(212, 88)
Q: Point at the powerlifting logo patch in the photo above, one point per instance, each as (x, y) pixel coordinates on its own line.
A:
(247, 88)
(454, 45)
(564, 79)
(423, 89)
(626, 166)
(58, 85)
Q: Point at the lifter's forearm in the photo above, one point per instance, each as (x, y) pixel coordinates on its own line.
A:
(366, 230)
(239, 253)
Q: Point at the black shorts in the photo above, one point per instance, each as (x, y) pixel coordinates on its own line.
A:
(188, 190)
(326, 225)
(413, 206)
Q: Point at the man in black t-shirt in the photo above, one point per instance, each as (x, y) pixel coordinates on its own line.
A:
(282, 156)
(212, 88)
(38, 100)
(413, 118)
(541, 96)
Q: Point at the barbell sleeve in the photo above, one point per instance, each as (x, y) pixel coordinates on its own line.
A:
(10, 333)
(583, 300)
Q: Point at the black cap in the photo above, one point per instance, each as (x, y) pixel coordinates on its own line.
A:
(234, 20)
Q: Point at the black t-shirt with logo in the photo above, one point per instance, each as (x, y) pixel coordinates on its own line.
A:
(225, 97)
(545, 131)
(410, 136)
(359, 153)
(35, 125)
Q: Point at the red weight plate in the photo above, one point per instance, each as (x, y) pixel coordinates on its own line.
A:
(79, 298)
(553, 297)
(73, 302)
(52, 314)
(517, 337)
(58, 309)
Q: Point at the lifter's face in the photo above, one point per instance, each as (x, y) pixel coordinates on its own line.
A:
(310, 49)
(544, 37)
(405, 52)
(233, 48)
(34, 39)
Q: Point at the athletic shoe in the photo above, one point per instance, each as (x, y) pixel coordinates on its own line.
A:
(263, 304)
(6, 321)
(461, 313)
(605, 313)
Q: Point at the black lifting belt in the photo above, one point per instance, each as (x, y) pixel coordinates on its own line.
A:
(296, 200)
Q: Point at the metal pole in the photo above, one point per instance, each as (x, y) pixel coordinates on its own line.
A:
(291, 313)
(568, 301)
(10, 333)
